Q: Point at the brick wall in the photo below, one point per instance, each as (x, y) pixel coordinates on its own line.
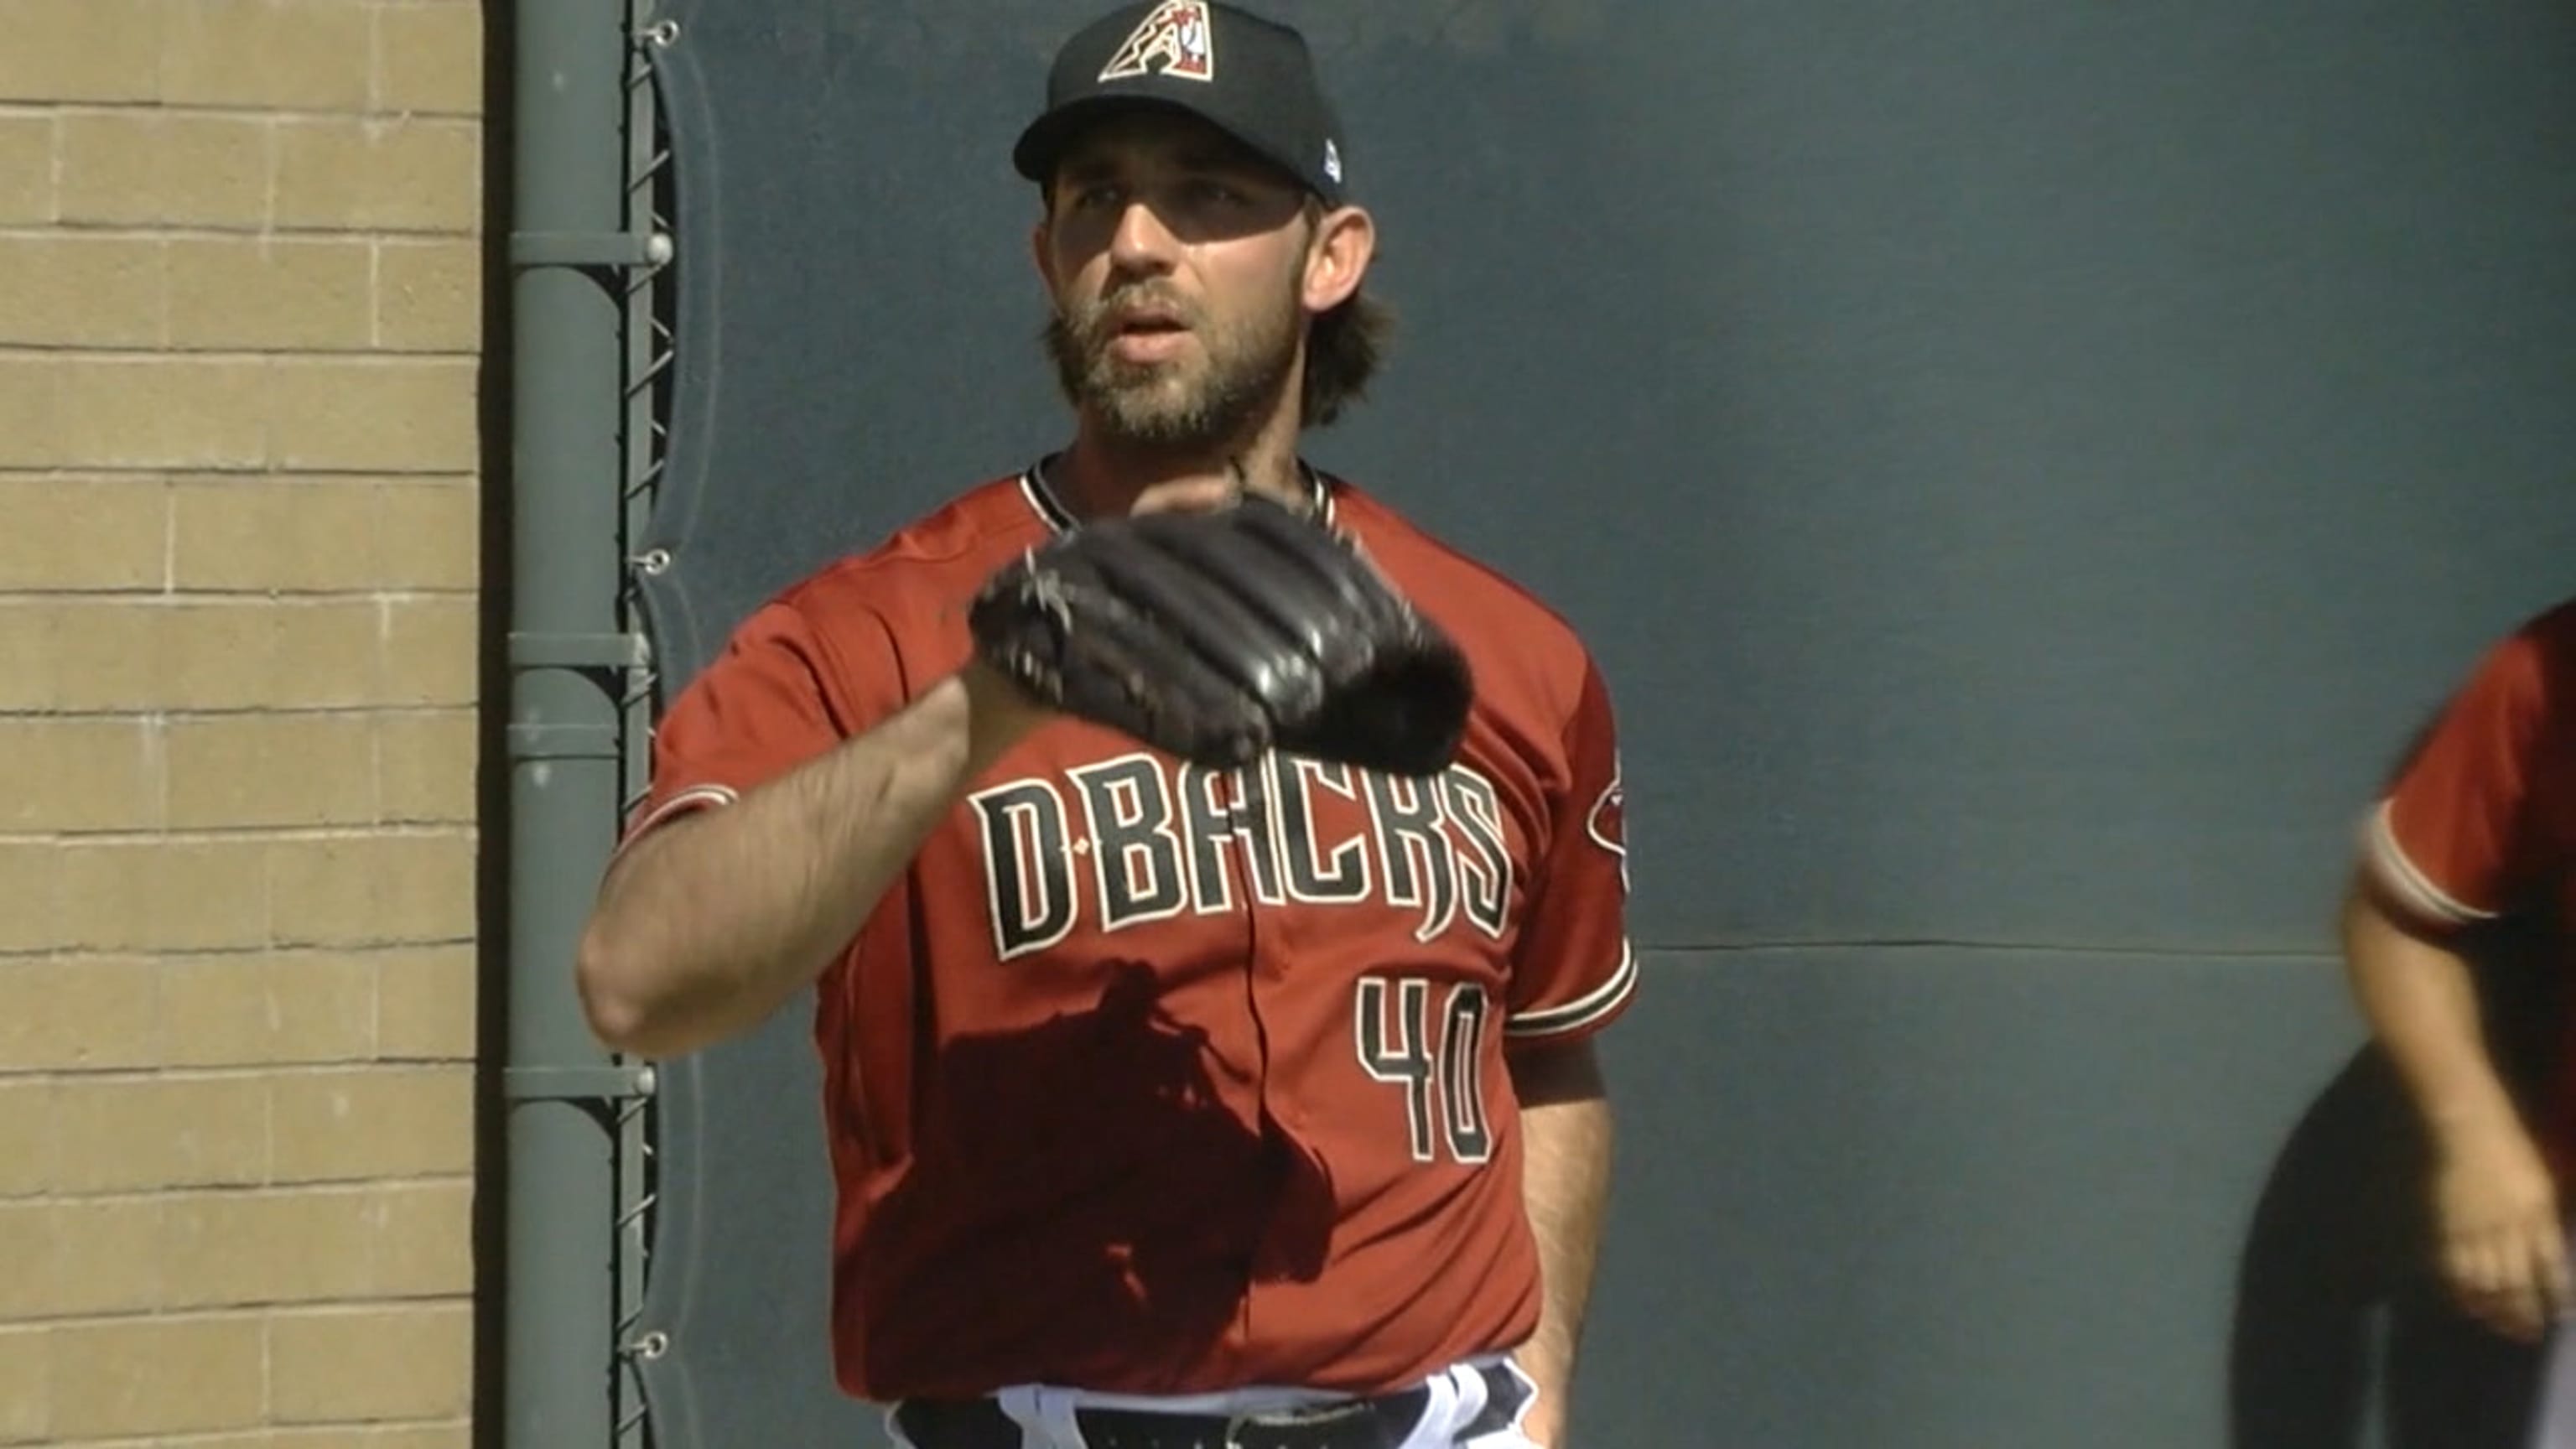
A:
(240, 319)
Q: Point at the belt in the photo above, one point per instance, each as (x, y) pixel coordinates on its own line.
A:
(1378, 1423)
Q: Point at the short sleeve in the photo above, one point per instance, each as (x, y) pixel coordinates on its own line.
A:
(777, 696)
(1574, 970)
(2455, 838)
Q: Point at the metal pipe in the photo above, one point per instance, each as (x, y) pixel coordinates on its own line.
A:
(568, 245)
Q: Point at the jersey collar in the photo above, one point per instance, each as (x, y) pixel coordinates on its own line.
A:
(1050, 509)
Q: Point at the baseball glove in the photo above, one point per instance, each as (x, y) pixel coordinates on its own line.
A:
(1219, 635)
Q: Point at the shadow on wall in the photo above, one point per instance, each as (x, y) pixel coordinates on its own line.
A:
(2340, 1322)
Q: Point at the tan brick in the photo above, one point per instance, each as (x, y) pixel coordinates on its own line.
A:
(161, 412)
(83, 533)
(242, 1010)
(375, 1122)
(270, 293)
(70, 1013)
(422, 1240)
(103, 654)
(365, 890)
(27, 1129)
(429, 535)
(426, 766)
(80, 50)
(425, 1004)
(371, 1437)
(236, 771)
(27, 651)
(31, 895)
(429, 58)
(311, 1245)
(26, 169)
(235, 1249)
(129, 1134)
(31, 424)
(429, 294)
(134, 167)
(399, 1436)
(408, 416)
(27, 1253)
(286, 654)
(106, 1259)
(326, 655)
(26, 1386)
(157, 1376)
(77, 774)
(82, 291)
(433, 650)
(218, 656)
(162, 895)
(253, 532)
(374, 1364)
(301, 54)
(400, 175)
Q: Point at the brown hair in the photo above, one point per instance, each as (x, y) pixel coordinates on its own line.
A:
(1343, 348)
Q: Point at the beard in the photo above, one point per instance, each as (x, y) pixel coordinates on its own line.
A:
(1205, 397)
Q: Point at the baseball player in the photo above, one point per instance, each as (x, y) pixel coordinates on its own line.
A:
(2478, 830)
(1178, 1093)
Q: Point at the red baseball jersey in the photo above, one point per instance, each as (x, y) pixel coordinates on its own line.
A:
(2481, 820)
(1151, 1078)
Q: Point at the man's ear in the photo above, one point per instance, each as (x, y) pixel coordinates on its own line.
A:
(1042, 254)
(1337, 259)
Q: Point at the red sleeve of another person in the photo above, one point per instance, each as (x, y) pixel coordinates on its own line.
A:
(780, 694)
(1574, 971)
(2465, 831)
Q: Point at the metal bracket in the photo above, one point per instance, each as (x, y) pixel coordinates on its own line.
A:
(576, 1084)
(588, 249)
(565, 742)
(579, 651)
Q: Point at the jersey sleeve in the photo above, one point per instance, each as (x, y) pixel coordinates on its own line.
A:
(778, 695)
(1574, 971)
(2456, 838)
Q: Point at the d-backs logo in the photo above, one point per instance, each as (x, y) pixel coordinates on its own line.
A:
(1178, 35)
(1608, 823)
(1156, 842)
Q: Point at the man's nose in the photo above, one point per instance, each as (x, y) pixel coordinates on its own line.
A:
(1142, 243)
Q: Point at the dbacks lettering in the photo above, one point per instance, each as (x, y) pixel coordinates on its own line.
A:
(1136, 839)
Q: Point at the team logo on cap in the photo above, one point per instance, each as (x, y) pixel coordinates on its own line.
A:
(1176, 40)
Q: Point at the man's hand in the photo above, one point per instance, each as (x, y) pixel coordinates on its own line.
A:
(2501, 1245)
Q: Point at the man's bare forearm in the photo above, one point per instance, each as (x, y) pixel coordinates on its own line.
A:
(1566, 1132)
(2422, 1006)
(709, 923)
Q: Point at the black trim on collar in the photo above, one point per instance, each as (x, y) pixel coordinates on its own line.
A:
(1052, 511)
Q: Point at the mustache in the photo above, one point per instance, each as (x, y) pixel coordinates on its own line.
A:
(1089, 320)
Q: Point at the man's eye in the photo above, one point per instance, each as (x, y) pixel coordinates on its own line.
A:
(1095, 198)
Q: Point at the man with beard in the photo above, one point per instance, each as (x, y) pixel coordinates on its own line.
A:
(1167, 1105)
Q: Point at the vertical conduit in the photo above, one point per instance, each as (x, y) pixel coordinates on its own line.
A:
(573, 1130)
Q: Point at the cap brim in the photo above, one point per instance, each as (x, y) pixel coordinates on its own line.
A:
(1048, 137)
(1044, 143)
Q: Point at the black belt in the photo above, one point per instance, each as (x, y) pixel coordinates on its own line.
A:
(1379, 1423)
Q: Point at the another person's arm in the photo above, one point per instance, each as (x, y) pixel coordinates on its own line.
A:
(2460, 838)
(2501, 1243)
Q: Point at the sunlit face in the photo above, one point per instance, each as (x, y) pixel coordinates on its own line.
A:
(1179, 266)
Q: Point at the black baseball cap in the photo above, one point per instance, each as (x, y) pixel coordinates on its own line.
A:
(1250, 77)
